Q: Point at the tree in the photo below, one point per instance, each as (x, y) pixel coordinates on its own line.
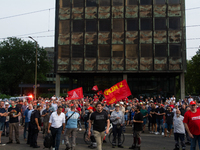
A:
(17, 64)
(192, 77)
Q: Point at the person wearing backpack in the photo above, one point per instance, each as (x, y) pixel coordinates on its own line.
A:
(57, 126)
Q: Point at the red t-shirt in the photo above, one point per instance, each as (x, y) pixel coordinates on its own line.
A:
(78, 109)
(193, 121)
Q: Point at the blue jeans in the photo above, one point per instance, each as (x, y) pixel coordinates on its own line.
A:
(159, 123)
(86, 124)
(56, 133)
(25, 129)
(193, 142)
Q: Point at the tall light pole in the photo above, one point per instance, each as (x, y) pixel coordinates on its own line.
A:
(35, 65)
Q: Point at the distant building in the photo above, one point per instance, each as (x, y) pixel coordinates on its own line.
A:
(101, 42)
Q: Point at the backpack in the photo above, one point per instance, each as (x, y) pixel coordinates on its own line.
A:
(48, 140)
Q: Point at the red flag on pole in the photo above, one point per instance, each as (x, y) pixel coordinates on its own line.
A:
(100, 92)
(75, 94)
(95, 88)
(117, 92)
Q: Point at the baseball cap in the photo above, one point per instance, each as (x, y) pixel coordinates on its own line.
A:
(192, 103)
(121, 103)
(90, 107)
(117, 105)
(6, 103)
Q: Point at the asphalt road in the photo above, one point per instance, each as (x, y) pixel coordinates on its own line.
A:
(149, 142)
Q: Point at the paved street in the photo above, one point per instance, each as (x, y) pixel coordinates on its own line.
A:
(149, 141)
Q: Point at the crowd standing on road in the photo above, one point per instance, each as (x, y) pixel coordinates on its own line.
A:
(62, 116)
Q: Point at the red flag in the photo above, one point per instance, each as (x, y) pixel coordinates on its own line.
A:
(95, 88)
(117, 92)
(75, 94)
(100, 92)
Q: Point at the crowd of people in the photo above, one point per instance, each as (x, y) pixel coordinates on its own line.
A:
(62, 116)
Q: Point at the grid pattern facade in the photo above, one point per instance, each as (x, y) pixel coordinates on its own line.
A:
(120, 36)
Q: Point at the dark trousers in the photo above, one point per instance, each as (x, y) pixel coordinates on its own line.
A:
(180, 136)
(29, 134)
(149, 122)
(117, 131)
(56, 133)
(6, 128)
(187, 136)
(194, 141)
(25, 129)
(34, 133)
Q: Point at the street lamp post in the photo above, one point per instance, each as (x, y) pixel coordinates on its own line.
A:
(35, 66)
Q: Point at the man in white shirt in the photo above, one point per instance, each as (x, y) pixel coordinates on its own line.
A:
(57, 126)
(173, 99)
(54, 105)
(190, 99)
(179, 130)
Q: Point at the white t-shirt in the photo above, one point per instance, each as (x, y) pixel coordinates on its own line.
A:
(190, 99)
(55, 106)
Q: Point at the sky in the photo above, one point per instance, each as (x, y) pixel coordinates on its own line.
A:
(41, 24)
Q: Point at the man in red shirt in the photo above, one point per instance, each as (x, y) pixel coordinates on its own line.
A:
(192, 124)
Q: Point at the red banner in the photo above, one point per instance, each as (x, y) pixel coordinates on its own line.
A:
(75, 94)
(95, 88)
(117, 92)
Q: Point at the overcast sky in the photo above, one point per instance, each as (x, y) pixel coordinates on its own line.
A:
(41, 25)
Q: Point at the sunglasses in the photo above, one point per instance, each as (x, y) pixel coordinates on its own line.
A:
(193, 105)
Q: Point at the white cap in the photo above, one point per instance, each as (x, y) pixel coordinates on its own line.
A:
(121, 103)
(6, 103)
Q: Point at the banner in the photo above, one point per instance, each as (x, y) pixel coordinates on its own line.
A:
(95, 88)
(75, 94)
(117, 92)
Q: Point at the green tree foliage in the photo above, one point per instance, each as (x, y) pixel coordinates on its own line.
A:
(17, 64)
(192, 77)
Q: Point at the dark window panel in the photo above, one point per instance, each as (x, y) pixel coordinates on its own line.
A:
(118, 2)
(77, 51)
(132, 51)
(146, 50)
(64, 51)
(91, 25)
(160, 50)
(104, 51)
(104, 25)
(91, 51)
(78, 3)
(64, 27)
(146, 24)
(175, 50)
(91, 3)
(171, 2)
(65, 3)
(78, 25)
(174, 23)
(145, 2)
(131, 2)
(132, 25)
(104, 2)
(118, 25)
(160, 23)
(118, 50)
(159, 2)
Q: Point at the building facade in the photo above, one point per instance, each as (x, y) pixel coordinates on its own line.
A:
(101, 42)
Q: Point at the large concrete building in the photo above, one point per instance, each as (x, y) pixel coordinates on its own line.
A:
(101, 42)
